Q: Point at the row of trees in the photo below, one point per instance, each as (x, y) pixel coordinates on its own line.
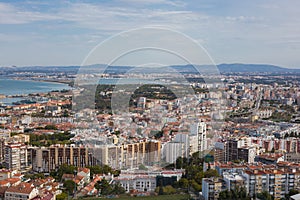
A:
(105, 169)
(236, 194)
(167, 190)
(47, 140)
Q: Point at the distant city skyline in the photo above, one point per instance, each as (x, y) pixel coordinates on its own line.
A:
(64, 32)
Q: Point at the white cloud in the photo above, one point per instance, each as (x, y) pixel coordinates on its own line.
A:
(155, 2)
(104, 17)
(10, 14)
(123, 18)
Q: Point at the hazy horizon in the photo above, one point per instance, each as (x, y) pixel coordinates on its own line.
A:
(13, 66)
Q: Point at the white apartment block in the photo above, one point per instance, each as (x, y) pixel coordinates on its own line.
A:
(16, 156)
(173, 150)
(198, 141)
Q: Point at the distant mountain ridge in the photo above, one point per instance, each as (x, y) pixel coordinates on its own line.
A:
(223, 68)
(239, 67)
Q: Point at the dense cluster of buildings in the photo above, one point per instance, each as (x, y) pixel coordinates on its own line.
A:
(14, 185)
(155, 133)
(277, 179)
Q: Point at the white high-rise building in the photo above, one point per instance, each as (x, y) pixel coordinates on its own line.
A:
(198, 135)
(173, 150)
(185, 139)
(16, 156)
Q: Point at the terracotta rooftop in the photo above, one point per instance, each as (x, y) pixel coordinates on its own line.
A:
(4, 183)
(4, 171)
(24, 188)
(68, 176)
(12, 180)
(85, 170)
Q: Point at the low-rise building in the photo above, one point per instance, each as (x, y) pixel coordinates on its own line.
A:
(5, 173)
(292, 157)
(23, 191)
(140, 183)
(85, 173)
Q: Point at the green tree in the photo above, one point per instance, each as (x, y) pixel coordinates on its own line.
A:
(181, 163)
(197, 187)
(265, 196)
(239, 193)
(118, 189)
(159, 190)
(224, 195)
(62, 196)
(70, 186)
(104, 187)
(63, 169)
(169, 190)
(105, 169)
(293, 192)
(50, 127)
(183, 183)
(143, 167)
(199, 176)
(211, 173)
(35, 176)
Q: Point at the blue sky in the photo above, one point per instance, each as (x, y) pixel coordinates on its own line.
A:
(63, 32)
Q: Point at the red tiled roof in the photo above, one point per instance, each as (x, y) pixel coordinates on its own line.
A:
(85, 170)
(4, 182)
(12, 180)
(24, 188)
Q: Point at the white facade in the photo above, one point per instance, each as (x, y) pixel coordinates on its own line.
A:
(198, 133)
(172, 151)
(183, 138)
(16, 156)
(21, 192)
(233, 180)
(139, 183)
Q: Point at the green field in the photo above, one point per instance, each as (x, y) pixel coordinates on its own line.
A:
(161, 197)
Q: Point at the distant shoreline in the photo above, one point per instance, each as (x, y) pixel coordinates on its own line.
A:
(67, 82)
(4, 94)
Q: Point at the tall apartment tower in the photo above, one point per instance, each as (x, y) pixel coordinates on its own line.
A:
(2, 149)
(198, 140)
(142, 102)
(232, 150)
(173, 150)
(15, 157)
(220, 152)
